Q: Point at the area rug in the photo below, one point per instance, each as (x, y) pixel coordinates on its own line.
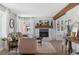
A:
(46, 48)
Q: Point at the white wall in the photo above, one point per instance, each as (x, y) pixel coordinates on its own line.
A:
(4, 22)
(11, 15)
(6, 15)
(31, 22)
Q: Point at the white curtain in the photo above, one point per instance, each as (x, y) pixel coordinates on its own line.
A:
(22, 26)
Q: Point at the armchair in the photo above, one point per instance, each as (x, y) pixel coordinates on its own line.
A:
(27, 46)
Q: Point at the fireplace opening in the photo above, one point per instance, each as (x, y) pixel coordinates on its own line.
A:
(43, 33)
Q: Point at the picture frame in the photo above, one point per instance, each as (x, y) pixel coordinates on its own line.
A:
(11, 23)
(58, 26)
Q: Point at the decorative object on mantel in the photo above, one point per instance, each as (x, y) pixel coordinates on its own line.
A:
(42, 24)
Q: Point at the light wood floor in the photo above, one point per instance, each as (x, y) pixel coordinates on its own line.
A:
(57, 45)
(61, 50)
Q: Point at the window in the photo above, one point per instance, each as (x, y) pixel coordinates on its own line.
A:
(0, 23)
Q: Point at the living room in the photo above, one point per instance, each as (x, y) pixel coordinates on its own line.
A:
(38, 28)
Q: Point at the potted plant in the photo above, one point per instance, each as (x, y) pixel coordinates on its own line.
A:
(3, 42)
(13, 36)
(3, 39)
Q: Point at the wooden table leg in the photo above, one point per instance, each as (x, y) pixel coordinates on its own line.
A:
(70, 48)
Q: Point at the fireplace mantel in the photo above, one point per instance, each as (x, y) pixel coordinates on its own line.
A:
(43, 26)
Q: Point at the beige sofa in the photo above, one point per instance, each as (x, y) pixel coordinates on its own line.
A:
(27, 45)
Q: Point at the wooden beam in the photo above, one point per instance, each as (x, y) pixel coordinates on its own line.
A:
(66, 9)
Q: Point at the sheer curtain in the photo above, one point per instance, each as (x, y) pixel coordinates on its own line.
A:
(22, 25)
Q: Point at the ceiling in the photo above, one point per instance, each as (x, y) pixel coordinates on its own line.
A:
(35, 9)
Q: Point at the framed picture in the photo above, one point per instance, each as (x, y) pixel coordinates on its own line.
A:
(58, 26)
(11, 23)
